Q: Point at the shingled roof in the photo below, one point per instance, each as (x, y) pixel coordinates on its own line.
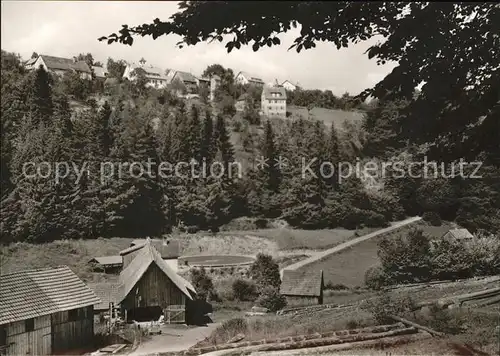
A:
(268, 92)
(167, 248)
(107, 293)
(34, 293)
(107, 260)
(185, 76)
(139, 265)
(459, 234)
(302, 283)
(65, 64)
(251, 77)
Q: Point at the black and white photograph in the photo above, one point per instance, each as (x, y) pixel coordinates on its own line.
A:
(258, 178)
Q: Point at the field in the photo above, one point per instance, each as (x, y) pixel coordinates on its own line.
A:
(328, 116)
(349, 266)
(282, 244)
(297, 239)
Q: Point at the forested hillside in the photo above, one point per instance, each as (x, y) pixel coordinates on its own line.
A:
(125, 122)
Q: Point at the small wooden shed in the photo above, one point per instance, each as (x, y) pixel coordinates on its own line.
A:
(302, 287)
(458, 234)
(150, 287)
(107, 264)
(45, 312)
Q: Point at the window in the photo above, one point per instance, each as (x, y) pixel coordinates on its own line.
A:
(3, 336)
(269, 107)
(29, 325)
(73, 315)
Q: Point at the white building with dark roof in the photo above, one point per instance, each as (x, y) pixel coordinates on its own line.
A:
(247, 78)
(157, 77)
(288, 85)
(273, 101)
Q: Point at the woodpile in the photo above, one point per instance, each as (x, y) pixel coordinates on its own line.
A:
(341, 337)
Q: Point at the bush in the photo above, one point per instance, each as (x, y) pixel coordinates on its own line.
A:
(271, 299)
(441, 320)
(432, 218)
(261, 223)
(376, 278)
(203, 284)
(385, 305)
(244, 290)
(332, 286)
(265, 272)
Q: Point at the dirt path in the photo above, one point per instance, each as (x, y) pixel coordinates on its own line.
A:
(318, 256)
(174, 339)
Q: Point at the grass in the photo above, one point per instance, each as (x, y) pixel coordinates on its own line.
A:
(297, 239)
(349, 266)
(328, 116)
(274, 326)
(73, 253)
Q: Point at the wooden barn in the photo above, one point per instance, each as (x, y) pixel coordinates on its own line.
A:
(168, 249)
(45, 312)
(302, 287)
(150, 288)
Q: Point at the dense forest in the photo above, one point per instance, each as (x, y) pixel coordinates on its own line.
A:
(128, 122)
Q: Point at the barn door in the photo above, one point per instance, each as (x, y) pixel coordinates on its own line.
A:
(45, 345)
(175, 314)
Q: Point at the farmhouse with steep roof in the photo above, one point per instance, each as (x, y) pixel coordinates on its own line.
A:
(149, 286)
(59, 66)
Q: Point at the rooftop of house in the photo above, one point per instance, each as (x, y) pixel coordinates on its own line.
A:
(34, 293)
(460, 234)
(185, 76)
(147, 256)
(151, 72)
(269, 91)
(100, 72)
(251, 78)
(59, 63)
(301, 283)
(167, 248)
(107, 293)
(107, 260)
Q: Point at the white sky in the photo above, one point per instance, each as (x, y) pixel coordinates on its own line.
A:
(66, 28)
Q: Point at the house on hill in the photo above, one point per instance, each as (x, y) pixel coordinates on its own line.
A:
(170, 251)
(100, 73)
(288, 85)
(241, 103)
(157, 77)
(187, 79)
(302, 287)
(273, 101)
(244, 78)
(59, 66)
(149, 287)
(45, 312)
(107, 264)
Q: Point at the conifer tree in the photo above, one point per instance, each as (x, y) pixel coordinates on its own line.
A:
(40, 97)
